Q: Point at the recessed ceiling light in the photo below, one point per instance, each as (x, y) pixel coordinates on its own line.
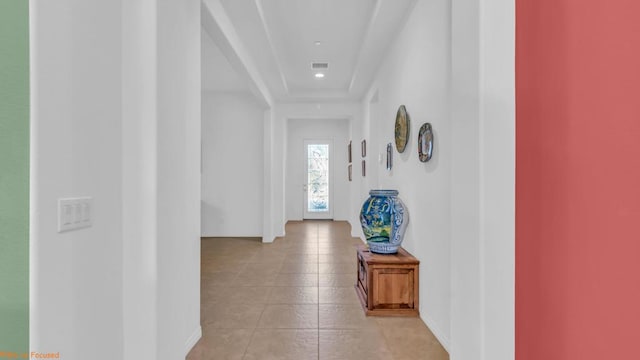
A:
(317, 43)
(319, 75)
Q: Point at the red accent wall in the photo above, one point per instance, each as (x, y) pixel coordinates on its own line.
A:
(577, 179)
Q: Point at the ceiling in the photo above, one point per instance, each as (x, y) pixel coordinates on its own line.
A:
(283, 38)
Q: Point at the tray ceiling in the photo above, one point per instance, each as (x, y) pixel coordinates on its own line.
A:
(284, 37)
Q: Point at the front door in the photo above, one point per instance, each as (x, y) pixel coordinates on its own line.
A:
(318, 188)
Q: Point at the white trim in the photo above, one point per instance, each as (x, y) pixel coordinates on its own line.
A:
(272, 47)
(216, 22)
(436, 330)
(366, 36)
(192, 340)
(34, 216)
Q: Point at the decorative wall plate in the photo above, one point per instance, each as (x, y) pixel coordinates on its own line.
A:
(403, 123)
(425, 142)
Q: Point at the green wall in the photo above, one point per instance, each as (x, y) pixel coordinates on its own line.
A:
(14, 176)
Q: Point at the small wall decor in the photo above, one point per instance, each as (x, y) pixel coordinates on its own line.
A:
(364, 168)
(425, 142)
(403, 123)
(363, 146)
(350, 172)
(349, 151)
(389, 156)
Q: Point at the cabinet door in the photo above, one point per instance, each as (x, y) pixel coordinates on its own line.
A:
(392, 288)
(362, 276)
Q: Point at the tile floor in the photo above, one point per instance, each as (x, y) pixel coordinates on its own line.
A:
(294, 299)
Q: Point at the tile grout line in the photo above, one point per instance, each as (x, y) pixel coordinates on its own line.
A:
(244, 355)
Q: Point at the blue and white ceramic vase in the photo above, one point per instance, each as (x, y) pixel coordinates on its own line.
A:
(384, 219)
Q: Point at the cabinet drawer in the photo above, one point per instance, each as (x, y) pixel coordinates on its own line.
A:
(393, 288)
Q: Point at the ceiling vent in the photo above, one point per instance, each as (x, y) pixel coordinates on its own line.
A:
(319, 65)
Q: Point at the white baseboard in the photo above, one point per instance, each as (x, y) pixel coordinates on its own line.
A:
(435, 329)
(193, 339)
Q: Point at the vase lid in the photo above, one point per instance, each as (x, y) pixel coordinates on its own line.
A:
(383, 192)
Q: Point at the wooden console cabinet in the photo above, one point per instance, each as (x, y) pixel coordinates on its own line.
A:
(387, 285)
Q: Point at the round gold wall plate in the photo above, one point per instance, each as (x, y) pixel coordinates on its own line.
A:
(402, 128)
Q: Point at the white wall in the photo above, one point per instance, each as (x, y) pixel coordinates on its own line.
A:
(139, 179)
(416, 74)
(178, 177)
(268, 176)
(232, 165)
(76, 277)
(466, 276)
(299, 130)
(453, 66)
(483, 183)
(116, 116)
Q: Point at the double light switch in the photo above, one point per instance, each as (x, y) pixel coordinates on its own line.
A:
(74, 213)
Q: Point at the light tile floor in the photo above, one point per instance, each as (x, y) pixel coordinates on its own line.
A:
(294, 299)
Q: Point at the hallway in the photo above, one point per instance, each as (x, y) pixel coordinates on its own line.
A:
(294, 299)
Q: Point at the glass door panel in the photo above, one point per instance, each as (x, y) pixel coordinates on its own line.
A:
(317, 199)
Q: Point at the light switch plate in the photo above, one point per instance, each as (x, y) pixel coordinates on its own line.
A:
(74, 213)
